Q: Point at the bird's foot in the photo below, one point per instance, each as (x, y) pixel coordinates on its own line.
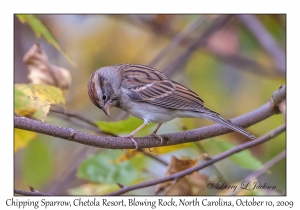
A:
(157, 136)
(132, 139)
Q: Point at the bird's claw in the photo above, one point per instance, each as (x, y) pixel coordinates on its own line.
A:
(132, 139)
(157, 136)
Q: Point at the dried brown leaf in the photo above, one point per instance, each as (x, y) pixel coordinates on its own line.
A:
(175, 165)
(41, 71)
(195, 184)
(198, 183)
(181, 187)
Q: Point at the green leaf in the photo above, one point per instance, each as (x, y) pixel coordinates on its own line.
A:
(102, 168)
(244, 158)
(48, 93)
(23, 105)
(124, 126)
(41, 30)
(37, 164)
(35, 99)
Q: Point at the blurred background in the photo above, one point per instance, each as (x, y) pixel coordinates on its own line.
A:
(234, 63)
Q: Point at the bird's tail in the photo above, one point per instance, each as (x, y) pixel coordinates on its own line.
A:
(215, 117)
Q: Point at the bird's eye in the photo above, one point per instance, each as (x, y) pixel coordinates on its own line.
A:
(104, 97)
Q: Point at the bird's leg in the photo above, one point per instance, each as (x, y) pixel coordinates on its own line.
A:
(156, 135)
(134, 132)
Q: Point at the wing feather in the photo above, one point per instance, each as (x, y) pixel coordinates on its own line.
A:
(148, 85)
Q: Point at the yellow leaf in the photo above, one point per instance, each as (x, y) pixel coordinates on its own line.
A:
(177, 165)
(47, 93)
(36, 99)
(22, 138)
(125, 156)
(167, 149)
(23, 105)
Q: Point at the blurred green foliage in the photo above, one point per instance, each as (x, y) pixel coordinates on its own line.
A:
(243, 159)
(37, 164)
(104, 168)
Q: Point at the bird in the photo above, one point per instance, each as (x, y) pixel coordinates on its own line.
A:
(150, 95)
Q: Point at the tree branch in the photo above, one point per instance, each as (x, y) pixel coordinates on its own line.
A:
(70, 134)
(35, 193)
(217, 158)
(96, 129)
(211, 161)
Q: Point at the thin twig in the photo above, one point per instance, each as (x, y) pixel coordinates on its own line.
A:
(246, 64)
(266, 40)
(213, 167)
(153, 157)
(76, 123)
(74, 115)
(177, 40)
(182, 59)
(219, 157)
(265, 167)
(78, 116)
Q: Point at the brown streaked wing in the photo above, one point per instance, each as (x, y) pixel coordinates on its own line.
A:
(149, 85)
(145, 83)
(182, 99)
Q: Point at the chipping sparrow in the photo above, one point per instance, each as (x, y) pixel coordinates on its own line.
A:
(149, 95)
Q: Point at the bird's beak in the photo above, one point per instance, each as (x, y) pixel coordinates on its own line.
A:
(106, 109)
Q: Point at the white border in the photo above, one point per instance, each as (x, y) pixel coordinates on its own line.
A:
(154, 6)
